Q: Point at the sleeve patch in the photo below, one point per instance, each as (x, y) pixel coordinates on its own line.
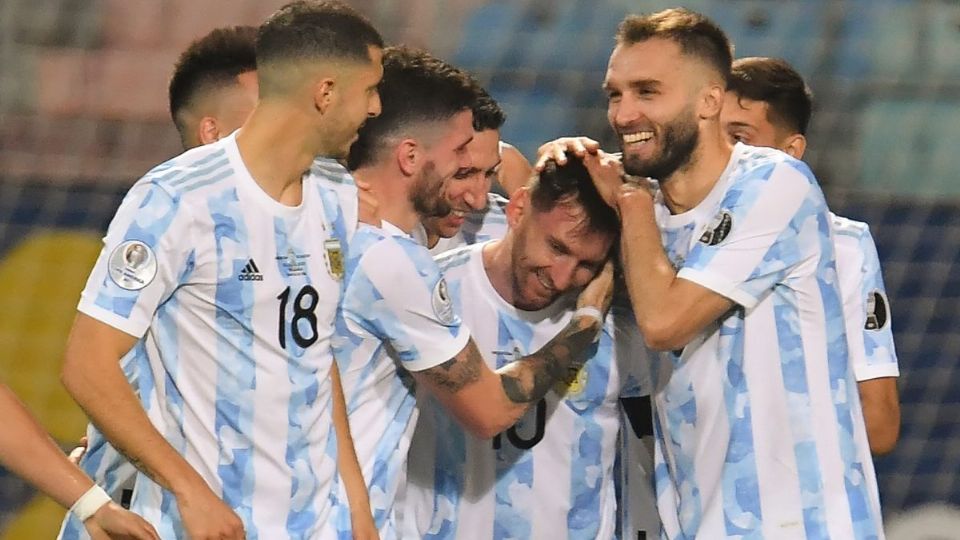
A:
(718, 229)
(442, 305)
(878, 311)
(132, 265)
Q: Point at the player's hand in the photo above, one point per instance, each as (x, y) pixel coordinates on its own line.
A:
(606, 171)
(369, 206)
(206, 517)
(599, 292)
(363, 526)
(113, 522)
(557, 150)
(77, 453)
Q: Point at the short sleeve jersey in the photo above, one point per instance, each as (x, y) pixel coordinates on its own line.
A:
(757, 421)
(396, 317)
(233, 297)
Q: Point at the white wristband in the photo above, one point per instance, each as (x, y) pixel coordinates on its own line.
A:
(589, 311)
(88, 503)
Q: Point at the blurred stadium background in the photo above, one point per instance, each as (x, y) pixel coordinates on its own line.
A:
(83, 114)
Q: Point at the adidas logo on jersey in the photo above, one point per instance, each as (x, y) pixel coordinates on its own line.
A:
(250, 272)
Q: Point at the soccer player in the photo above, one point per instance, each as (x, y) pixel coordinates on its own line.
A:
(400, 325)
(551, 474)
(212, 91)
(458, 228)
(730, 268)
(230, 315)
(768, 104)
(29, 452)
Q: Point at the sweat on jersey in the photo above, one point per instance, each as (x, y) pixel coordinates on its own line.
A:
(396, 317)
(551, 474)
(233, 296)
(757, 420)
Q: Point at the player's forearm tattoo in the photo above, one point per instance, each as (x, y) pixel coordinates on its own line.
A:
(455, 373)
(530, 378)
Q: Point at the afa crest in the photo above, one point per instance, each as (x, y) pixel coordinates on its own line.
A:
(574, 383)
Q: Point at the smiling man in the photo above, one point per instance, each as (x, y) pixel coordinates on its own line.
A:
(398, 323)
(551, 474)
(731, 272)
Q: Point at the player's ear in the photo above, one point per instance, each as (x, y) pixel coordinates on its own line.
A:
(323, 93)
(409, 156)
(795, 145)
(208, 131)
(518, 205)
(712, 101)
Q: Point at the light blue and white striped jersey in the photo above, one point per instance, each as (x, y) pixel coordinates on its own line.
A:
(865, 305)
(234, 296)
(487, 224)
(758, 425)
(107, 467)
(551, 474)
(396, 316)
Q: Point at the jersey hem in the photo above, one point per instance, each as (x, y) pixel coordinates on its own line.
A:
(110, 318)
(866, 373)
(440, 353)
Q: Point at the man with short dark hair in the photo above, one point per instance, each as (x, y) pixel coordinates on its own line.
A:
(230, 317)
(769, 104)
(443, 233)
(551, 474)
(399, 323)
(731, 273)
(214, 85)
(767, 89)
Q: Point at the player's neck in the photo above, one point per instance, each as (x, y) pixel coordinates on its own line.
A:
(497, 265)
(393, 202)
(690, 184)
(276, 147)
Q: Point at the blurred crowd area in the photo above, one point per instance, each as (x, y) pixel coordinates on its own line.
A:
(83, 113)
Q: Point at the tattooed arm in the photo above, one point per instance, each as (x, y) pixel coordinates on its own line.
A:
(487, 402)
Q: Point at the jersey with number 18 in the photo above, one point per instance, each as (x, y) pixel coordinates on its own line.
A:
(233, 297)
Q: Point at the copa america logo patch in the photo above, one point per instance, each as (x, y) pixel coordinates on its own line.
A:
(442, 306)
(718, 229)
(132, 265)
(878, 310)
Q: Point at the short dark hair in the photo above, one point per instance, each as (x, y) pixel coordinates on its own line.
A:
(774, 82)
(310, 30)
(696, 35)
(211, 62)
(416, 88)
(571, 183)
(487, 113)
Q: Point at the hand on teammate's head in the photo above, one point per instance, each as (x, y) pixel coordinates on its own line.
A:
(558, 149)
(606, 171)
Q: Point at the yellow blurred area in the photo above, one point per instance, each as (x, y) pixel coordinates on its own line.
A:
(39, 519)
(40, 283)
